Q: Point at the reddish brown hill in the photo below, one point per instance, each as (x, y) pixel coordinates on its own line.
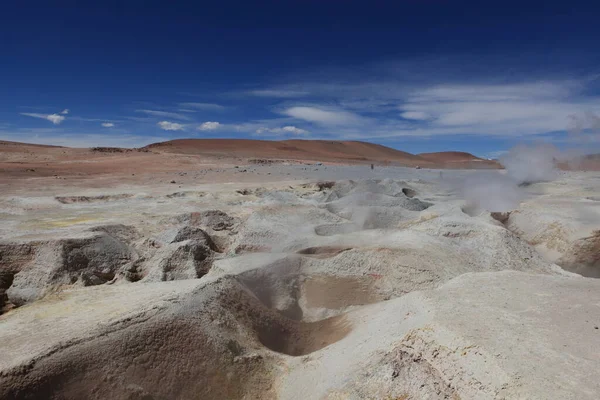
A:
(6, 146)
(319, 150)
(4, 143)
(449, 156)
(314, 150)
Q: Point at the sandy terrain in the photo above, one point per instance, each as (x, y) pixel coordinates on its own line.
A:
(158, 275)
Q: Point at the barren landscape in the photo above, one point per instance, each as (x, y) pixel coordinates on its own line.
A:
(294, 270)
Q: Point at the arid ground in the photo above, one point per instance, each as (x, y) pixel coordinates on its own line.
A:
(293, 270)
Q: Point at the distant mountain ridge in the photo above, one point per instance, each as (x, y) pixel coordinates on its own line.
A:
(327, 151)
(319, 150)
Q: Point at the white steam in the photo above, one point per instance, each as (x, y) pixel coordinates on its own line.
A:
(498, 192)
(584, 127)
(493, 192)
(530, 164)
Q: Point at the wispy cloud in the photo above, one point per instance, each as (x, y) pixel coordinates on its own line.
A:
(56, 119)
(529, 109)
(65, 111)
(320, 115)
(209, 126)
(397, 107)
(140, 119)
(108, 125)
(498, 92)
(170, 126)
(278, 93)
(164, 114)
(431, 96)
(86, 119)
(202, 106)
(416, 115)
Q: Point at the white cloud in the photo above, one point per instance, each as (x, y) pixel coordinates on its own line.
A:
(170, 126)
(294, 130)
(434, 98)
(209, 126)
(504, 110)
(492, 93)
(203, 106)
(286, 129)
(108, 124)
(164, 114)
(54, 118)
(323, 116)
(329, 88)
(416, 115)
(65, 111)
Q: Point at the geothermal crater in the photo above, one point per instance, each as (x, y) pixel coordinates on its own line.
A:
(386, 285)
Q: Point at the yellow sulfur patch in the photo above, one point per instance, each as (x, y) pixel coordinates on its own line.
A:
(70, 221)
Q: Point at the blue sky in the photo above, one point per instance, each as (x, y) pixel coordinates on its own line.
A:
(416, 75)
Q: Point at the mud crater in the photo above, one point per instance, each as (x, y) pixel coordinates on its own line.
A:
(323, 251)
(296, 338)
(307, 309)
